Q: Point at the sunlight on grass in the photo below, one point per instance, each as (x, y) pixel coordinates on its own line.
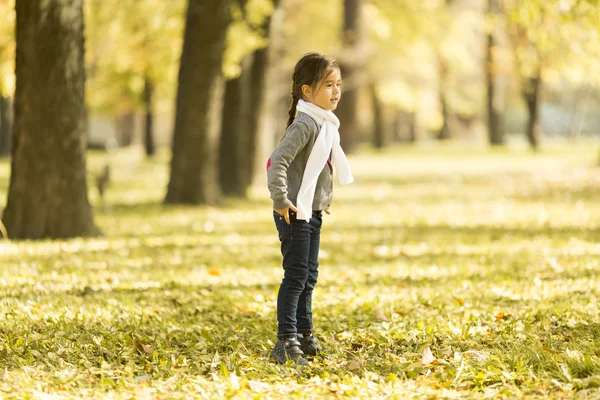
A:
(487, 258)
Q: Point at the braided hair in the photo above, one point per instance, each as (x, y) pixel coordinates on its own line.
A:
(309, 70)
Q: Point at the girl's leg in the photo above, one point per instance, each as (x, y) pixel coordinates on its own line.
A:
(295, 247)
(304, 311)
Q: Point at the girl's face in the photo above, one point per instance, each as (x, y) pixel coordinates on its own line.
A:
(326, 94)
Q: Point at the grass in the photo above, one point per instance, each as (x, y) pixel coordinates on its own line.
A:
(488, 258)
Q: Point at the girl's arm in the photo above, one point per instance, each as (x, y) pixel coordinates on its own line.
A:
(296, 137)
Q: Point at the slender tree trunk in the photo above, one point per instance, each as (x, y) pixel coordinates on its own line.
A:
(276, 92)
(379, 139)
(444, 132)
(47, 196)
(257, 106)
(125, 129)
(348, 106)
(578, 119)
(5, 126)
(149, 110)
(194, 166)
(494, 97)
(258, 96)
(532, 95)
(405, 126)
(234, 145)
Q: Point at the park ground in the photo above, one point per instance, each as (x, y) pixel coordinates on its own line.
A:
(446, 272)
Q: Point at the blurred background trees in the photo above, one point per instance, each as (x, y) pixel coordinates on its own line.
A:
(211, 80)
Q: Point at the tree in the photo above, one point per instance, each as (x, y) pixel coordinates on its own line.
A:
(47, 196)
(7, 56)
(495, 106)
(5, 126)
(132, 59)
(245, 66)
(194, 163)
(235, 130)
(547, 39)
(350, 65)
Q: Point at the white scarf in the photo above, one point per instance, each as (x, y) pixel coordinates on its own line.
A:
(328, 141)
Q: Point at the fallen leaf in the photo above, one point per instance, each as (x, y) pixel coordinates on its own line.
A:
(427, 357)
(459, 300)
(380, 315)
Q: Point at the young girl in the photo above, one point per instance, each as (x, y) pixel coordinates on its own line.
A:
(300, 181)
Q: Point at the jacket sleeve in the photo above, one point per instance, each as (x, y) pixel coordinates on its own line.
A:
(296, 137)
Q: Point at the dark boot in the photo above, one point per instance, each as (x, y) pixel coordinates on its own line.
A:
(288, 349)
(309, 345)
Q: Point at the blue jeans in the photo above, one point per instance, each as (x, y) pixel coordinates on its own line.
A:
(300, 250)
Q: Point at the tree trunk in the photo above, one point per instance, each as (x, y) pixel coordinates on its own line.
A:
(444, 132)
(234, 146)
(258, 94)
(194, 164)
(348, 106)
(125, 129)
(405, 126)
(149, 110)
(494, 97)
(532, 95)
(5, 127)
(379, 141)
(47, 196)
(578, 119)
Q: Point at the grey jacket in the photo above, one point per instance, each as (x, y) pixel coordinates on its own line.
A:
(286, 166)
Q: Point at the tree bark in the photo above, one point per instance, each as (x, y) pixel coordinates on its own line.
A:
(578, 118)
(234, 145)
(194, 165)
(125, 129)
(258, 94)
(257, 106)
(495, 107)
(149, 110)
(532, 95)
(379, 136)
(5, 127)
(348, 106)
(405, 128)
(444, 132)
(47, 196)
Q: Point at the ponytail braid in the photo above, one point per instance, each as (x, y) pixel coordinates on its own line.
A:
(292, 112)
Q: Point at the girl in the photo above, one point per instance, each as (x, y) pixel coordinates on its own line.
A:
(299, 176)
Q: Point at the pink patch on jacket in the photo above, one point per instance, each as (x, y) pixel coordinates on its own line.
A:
(268, 164)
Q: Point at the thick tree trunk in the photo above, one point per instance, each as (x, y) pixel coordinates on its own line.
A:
(348, 106)
(47, 196)
(194, 166)
(532, 95)
(234, 145)
(5, 126)
(494, 96)
(379, 136)
(149, 110)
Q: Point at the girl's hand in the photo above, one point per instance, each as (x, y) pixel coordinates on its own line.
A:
(327, 211)
(285, 213)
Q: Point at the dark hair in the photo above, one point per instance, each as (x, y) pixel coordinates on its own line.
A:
(309, 70)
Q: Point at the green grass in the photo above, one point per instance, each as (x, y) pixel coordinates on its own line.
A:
(489, 258)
